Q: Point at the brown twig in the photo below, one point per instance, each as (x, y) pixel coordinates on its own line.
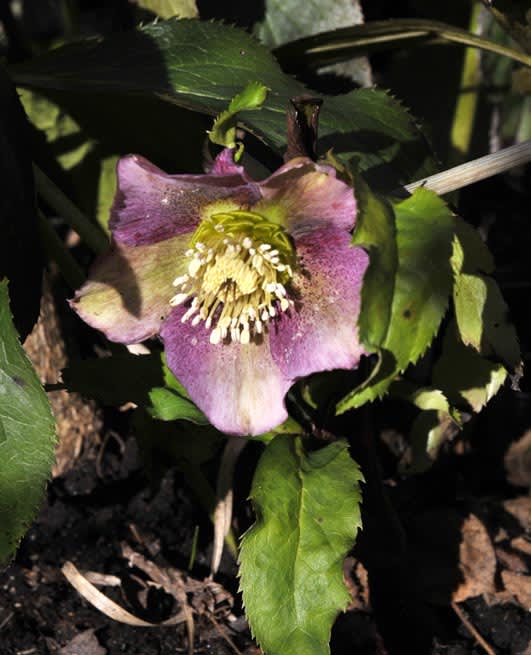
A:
(473, 631)
(224, 635)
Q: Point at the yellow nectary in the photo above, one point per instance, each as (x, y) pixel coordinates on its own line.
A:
(240, 264)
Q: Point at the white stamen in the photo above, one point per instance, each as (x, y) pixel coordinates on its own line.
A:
(215, 336)
(178, 299)
(235, 286)
(180, 280)
(193, 267)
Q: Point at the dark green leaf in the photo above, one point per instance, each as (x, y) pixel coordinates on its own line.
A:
(515, 17)
(115, 380)
(202, 66)
(291, 559)
(20, 257)
(27, 436)
(181, 440)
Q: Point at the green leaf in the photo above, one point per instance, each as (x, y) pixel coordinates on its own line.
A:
(480, 310)
(436, 423)
(142, 379)
(223, 131)
(470, 252)
(307, 507)
(425, 398)
(343, 44)
(376, 232)
(106, 190)
(167, 405)
(170, 8)
(429, 431)
(27, 436)
(65, 138)
(467, 379)
(288, 427)
(201, 66)
(402, 324)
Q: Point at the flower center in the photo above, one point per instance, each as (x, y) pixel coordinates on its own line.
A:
(239, 267)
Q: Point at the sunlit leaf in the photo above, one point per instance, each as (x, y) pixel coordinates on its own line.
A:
(467, 379)
(480, 310)
(66, 141)
(167, 405)
(376, 232)
(106, 190)
(416, 292)
(27, 435)
(223, 131)
(430, 430)
(307, 507)
(436, 423)
(170, 8)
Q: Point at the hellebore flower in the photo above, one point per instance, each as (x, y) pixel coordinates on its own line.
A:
(251, 285)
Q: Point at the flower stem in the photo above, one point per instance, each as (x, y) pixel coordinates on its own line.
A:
(475, 170)
(56, 250)
(65, 208)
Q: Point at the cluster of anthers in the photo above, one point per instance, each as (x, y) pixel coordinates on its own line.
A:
(236, 283)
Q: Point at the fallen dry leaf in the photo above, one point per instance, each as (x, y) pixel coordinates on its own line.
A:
(520, 508)
(477, 561)
(518, 461)
(85, 643)
(521, 544)
(519, 586)
(511, 561)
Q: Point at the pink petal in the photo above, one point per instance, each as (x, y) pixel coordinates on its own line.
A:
(129, 289)
(304, 196)
(224, 165)
(238, 387)
(150, 205)
(320, 333)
